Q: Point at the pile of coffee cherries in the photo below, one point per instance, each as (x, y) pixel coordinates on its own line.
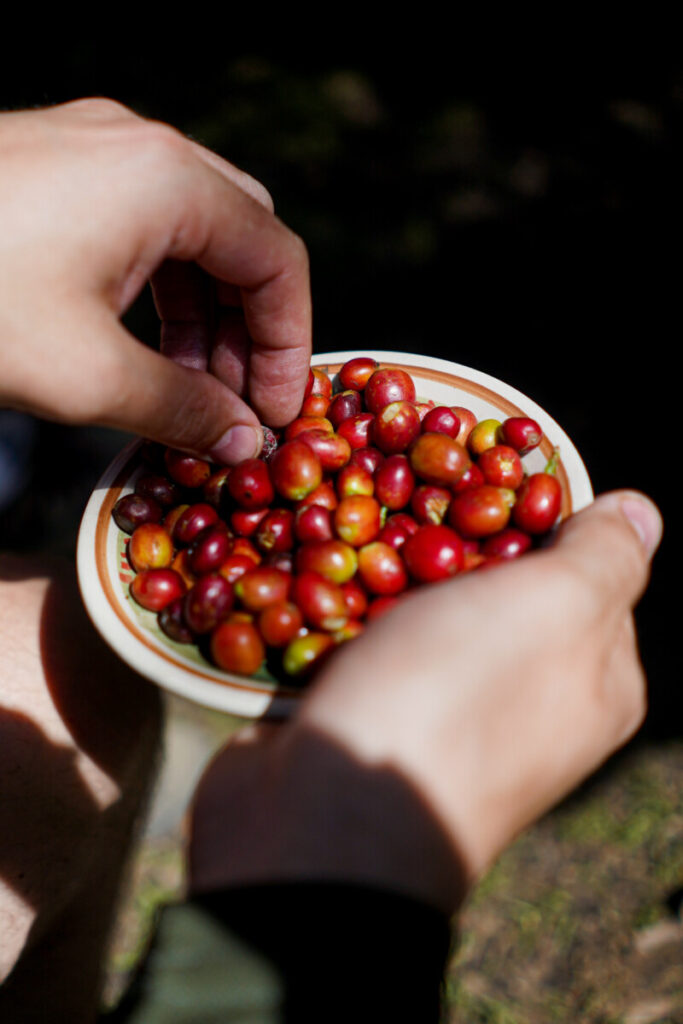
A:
(367, 494)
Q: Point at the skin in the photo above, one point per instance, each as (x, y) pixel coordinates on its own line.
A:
(434, 746)
(422, 749)
(74, 762)
(94, 201)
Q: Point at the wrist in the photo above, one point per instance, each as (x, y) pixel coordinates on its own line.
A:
(308, 809)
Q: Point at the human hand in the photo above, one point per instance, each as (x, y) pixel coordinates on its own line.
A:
(451, 724)
(94, 201)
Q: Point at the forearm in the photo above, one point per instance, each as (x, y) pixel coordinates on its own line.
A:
(453, 722)
(306, 808)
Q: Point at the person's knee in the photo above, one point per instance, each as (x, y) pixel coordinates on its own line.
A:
(78, 739)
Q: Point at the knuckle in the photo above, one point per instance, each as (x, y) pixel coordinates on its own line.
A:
(162, 143)
(102, 107)
(163, 137)
(155, 145)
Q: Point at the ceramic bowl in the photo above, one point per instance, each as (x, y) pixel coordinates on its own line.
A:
(104, 572)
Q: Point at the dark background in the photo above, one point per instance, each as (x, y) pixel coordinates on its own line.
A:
(521, 217)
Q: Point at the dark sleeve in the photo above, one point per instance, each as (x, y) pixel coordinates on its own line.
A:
(295, 952)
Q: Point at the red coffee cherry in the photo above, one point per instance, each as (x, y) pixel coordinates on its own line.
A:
(433, 553)
(295, 552)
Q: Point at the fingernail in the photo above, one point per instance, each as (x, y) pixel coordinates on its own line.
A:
(238, 443)
(645, 519)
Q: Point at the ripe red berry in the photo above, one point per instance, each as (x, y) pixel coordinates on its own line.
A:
(133, 510)
(261, 586)
(357, 429)
(293, 552)
(441, 420)
(320, 601)
(279, 623)
(357, 520)
(509, 543)
(334, 558)
(295, 470)
(381, 569)
(501, 466)
(480, 511)
(521, 433)
(343, 406)
(192, 520)
(438, 459)
(236, 646)
(209, 601)
(153, 589)
(433, 553)
(187, 470)
(394, 482)
(396, 426)
(538, 503)
(249, 484)
(355, 373)
(388, 385)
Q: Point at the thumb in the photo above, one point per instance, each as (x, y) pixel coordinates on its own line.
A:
(134, 388)
(611, 544)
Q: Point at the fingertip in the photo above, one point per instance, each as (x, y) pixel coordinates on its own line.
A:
(645, 518)
(632, 507)
(238, 443)
(608, 546)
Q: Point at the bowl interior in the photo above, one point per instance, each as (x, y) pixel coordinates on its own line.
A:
(105, 574)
